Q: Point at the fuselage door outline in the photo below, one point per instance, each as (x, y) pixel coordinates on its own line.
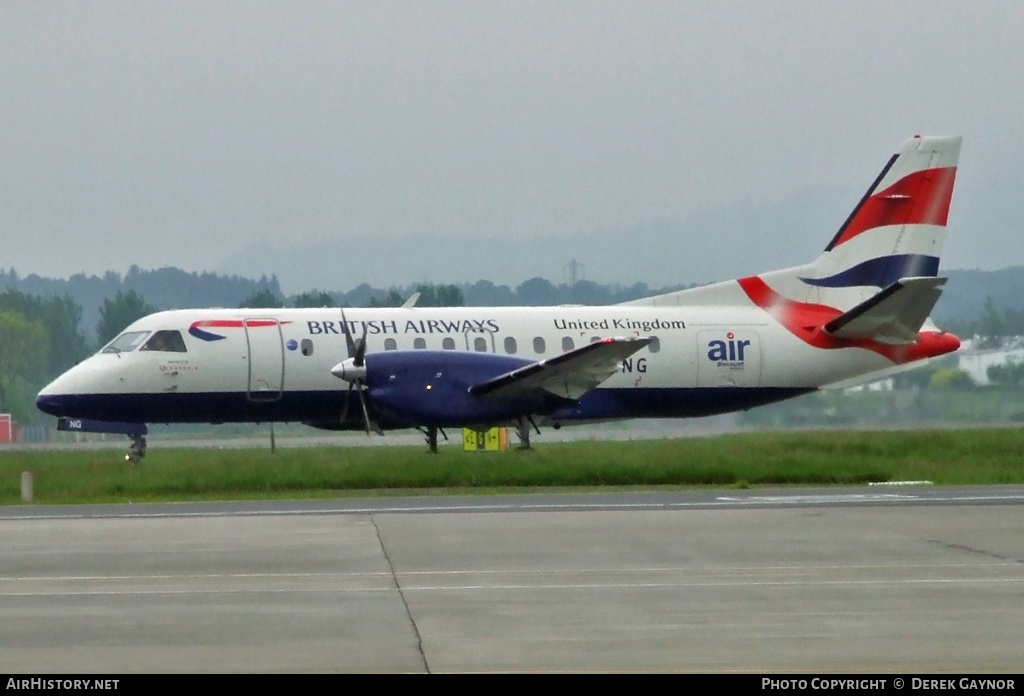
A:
(265, 344)
(487, 334)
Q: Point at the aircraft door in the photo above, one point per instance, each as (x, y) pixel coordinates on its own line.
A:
(728, 358)
(266, 358)
(480, 340)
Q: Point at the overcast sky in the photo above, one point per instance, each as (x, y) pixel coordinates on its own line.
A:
(179, 133)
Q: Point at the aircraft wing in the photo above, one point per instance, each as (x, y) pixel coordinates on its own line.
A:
(569, 375)
(894, 315)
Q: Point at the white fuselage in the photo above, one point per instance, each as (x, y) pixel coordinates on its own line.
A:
(275, 364)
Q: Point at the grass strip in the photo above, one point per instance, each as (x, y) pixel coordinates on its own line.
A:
(945, 457)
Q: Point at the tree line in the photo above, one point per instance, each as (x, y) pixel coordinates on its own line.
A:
(991, 326)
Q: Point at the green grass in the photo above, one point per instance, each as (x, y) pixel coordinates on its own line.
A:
(949, 457)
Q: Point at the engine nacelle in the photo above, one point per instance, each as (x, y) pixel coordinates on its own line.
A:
(422, 387)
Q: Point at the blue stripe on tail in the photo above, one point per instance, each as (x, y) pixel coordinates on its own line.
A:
(880, 272)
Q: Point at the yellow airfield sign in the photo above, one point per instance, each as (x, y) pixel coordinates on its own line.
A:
(489, 440)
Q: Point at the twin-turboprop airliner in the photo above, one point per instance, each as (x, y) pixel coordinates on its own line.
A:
(859, 310)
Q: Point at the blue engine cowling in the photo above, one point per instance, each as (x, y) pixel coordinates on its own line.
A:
(427, 387)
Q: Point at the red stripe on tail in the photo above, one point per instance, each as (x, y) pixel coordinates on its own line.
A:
(921, 198)
(806, 321)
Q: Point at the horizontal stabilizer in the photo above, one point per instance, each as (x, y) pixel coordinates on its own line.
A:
(894, 315)
(569, 375)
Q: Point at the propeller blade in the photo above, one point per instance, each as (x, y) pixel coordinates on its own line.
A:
(357, 352)
(370, 423)
(366, 412)
(357, 359)
(348, 398)
(348, 336)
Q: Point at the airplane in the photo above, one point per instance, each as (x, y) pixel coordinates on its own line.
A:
(860, 310)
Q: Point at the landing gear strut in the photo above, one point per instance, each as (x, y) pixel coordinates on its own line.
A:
(523, 431)
(431, 432)
(137, 450)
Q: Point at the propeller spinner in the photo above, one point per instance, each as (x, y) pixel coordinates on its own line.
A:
(353, 371)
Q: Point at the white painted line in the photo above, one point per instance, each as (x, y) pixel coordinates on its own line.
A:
(507, 587)
(818, 499)
(901, 483)
(722, 501)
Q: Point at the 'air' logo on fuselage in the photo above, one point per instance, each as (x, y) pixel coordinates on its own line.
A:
(727, 352)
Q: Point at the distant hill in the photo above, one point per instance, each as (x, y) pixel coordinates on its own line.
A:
(710, 246)
(728, 242)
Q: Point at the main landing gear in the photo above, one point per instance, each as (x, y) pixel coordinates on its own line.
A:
(430, 432)
(523, 431)
(137, 450)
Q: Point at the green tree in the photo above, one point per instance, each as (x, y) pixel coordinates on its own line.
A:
(440, 295)
(23, 352)
(537, 292)
(394, 299)
(61, 316)
(117, 313)
(587, 292)
(991, 327)
(1008, 374)
(951, 378)
(261, 299)
(314, 298)
(484, 293)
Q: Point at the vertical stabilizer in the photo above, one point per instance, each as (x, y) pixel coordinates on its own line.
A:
(896, 231)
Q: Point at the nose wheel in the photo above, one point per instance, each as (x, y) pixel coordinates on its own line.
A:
(137, 449)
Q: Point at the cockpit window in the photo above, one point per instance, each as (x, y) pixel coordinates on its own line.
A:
(166, 342)
(126, 342)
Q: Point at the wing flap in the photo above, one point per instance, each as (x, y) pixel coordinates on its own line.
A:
(569, 375)
(893, 316)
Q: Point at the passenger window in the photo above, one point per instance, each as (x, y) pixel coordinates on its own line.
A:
(419, 343)
(655, 345)
(165, 342)
(538, 345)
(595, 339)
(307, 347)
(480, 344)
(510, 345)
(390, 344)
(126, 342)
(448, 343)
(567, 343)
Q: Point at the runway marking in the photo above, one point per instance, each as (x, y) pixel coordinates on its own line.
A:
(817, 499)
(718, 502)
(414, 573)
(205, 576)
(901, 483)
(503, 587)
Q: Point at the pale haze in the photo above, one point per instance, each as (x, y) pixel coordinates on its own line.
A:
(185, 133)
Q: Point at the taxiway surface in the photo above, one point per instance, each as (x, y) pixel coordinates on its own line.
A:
(837, 580)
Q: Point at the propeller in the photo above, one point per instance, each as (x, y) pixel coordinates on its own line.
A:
(353, 371)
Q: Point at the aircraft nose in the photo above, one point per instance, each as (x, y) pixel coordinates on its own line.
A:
(53, 404)
(55, 398)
